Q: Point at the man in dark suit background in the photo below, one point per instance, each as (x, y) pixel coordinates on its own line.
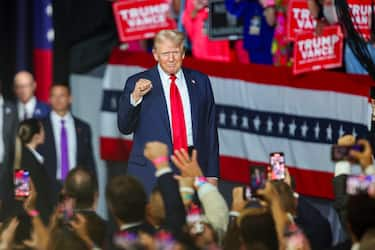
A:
(170, 104)
(68, 139)
(8, 127)
(27, 104)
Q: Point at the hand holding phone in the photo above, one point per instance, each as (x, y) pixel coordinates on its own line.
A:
(277, 162)
(21, 180)
(342, 152)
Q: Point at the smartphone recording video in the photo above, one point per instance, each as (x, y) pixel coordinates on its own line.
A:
(258, 178)
(21, 183)
(277, 162)
(360, 184)
(341, 153)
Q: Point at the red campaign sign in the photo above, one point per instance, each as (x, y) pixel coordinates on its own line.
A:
(141, 19)
(299, 19)
(360, 10)
(312, 52)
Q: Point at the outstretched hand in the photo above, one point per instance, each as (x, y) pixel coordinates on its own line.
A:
(364, 158)
(188, 167)
(7, 236)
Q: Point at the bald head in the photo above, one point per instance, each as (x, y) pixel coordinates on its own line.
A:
(82, 186)
(24, 86)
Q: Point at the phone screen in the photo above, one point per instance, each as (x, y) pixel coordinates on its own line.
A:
(258, 178)
(341, 153)
(247, 193)
(277, 162)
(360, 184)
(21, 183)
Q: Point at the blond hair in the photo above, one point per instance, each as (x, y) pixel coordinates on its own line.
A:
(171, 35)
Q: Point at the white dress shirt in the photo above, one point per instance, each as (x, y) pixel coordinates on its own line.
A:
(29, 107)
(184, 93)
(1, 129)
(36, 154)
(72, 140)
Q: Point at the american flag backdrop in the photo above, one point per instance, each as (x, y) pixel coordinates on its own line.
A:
(43, 34)
(260, 109)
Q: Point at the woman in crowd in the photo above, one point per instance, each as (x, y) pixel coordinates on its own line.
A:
(30, 135)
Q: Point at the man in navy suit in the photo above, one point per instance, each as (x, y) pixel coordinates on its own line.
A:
(67, 140)
(27, 104)
(170, 104)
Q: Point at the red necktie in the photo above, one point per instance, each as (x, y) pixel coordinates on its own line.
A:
(178, 118)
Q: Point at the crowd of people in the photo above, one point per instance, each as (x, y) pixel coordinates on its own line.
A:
(175, 137)
(264, 39)
(188, 212)
(35, 135)
(184, 211)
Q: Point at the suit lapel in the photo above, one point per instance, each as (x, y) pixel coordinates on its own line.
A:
(160, 99)
(7, 113)
(79, 139)
(37, 111)
(51, 145)
(192, 89)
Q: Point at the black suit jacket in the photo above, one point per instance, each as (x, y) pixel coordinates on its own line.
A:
(9, 134)
(341, 199)
(174, 207)
(316, 227)
(84, 155)
(40, 179)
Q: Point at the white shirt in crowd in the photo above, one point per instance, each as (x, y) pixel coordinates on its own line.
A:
(182, 88)
(27, 107)
(1, 129)
(72, 139)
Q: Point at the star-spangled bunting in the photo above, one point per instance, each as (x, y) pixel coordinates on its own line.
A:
(273, 124)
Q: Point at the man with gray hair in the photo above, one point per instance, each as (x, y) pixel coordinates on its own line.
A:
(171, 104)
(27, 104)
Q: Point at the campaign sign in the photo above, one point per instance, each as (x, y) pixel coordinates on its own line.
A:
(141, 19)
(360, 11)
(313, 52)
(299, 19)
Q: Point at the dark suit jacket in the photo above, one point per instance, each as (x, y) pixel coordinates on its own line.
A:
(9, 135)
(84, 155)
(149, 120)
(341, 199)
(174, 207)
(38, 174)
(371, 136)
(40, 179)
(316, 227)
(41, 110)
